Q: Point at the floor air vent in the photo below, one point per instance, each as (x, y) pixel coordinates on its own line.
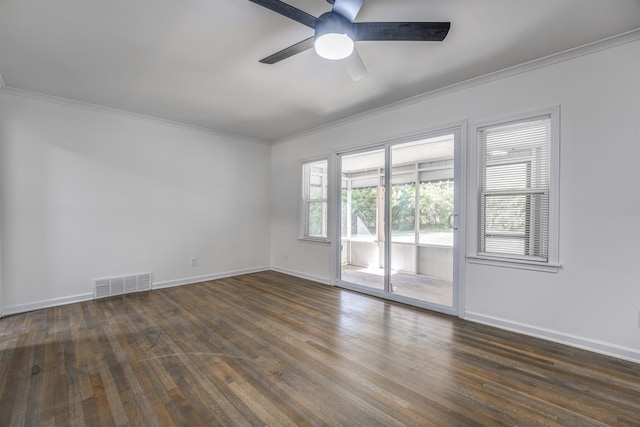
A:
(110, 286)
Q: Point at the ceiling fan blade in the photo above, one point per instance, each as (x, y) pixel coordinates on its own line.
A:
(288, 11)
(290, 51)
(355, 67)
(412, 31)
(348, 8)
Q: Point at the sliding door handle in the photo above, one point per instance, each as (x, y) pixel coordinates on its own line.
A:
(451, 221)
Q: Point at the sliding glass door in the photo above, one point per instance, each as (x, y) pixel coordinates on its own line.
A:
(417, 209)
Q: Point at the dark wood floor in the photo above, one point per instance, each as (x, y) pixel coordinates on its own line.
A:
(270, 349)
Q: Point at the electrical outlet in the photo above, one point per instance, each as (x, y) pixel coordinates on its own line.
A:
(194, 261)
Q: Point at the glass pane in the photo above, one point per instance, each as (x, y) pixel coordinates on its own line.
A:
(362, 246)
(505, 214)
(436, 206)
(423, 270)
(317, 180)
(403, 212)
(364, 209)
(315, 191)
(516, 224)
(316, 219)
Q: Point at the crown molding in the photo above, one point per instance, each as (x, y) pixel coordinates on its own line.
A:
(566, 55)
(21, 93)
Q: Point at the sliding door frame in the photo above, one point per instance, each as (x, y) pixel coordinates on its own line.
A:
(460, 182)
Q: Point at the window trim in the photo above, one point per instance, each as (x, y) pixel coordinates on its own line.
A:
(474, 255)
(304, 202)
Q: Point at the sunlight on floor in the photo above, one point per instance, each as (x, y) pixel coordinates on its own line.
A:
(419, 287)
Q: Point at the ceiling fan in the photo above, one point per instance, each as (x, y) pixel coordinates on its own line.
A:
(336, 32)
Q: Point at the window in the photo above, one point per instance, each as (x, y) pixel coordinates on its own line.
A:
(314, 199)
(516, 190)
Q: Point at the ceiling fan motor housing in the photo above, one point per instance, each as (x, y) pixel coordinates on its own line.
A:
(332, 22)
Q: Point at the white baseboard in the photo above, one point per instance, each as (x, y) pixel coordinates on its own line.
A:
(295, 273)
(38, 305)
(198, 279)
(608, 349)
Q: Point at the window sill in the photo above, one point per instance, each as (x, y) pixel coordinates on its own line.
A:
(515, 263)
(317, 240)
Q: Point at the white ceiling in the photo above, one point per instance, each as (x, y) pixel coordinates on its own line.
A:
(196, 62)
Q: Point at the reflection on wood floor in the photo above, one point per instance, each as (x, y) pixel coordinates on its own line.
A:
(423, 288)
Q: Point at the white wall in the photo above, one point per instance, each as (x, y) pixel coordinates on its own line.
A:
(594, 301)
(89, 193)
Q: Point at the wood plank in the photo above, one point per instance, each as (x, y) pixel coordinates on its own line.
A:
(271, 349)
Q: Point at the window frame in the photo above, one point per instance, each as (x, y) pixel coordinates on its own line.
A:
(475, 256)
(306, 200)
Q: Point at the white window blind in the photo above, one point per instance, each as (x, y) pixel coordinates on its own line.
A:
(514, 185)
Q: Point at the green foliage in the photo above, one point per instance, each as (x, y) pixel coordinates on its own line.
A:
(436, 203)
(403, 202)
(506, 213)
(315, 219)
(363, 207)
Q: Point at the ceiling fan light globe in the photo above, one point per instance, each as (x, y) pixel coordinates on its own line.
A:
(333, 45)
